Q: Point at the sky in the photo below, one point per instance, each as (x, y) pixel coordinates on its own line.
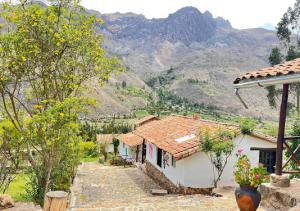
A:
(241, 13)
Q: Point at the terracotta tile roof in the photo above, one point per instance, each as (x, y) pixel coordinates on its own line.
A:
(130, 139)
(264, 137)
(147, 119)
(177, 134)
(287, 68)
(106, 138)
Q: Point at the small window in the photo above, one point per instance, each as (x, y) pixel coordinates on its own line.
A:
(173, 162)
(268, 159)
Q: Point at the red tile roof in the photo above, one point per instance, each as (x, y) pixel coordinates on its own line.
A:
(130, 139)
(147, 119)
(178, 134)
(264, 137)
(106, 138)
(287, 68)
(173, 134)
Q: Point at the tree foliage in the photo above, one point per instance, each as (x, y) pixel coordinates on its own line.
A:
(286, 29)
(11, 153)
(218, 146)
(247, 125)
(294, 144)
(46, 55)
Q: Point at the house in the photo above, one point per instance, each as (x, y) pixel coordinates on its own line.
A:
(175, 160)
(106, 139)
(146, 119)
(130, 147)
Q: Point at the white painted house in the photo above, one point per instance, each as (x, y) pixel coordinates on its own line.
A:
(171, 146)
(130, 147)
(106, 139)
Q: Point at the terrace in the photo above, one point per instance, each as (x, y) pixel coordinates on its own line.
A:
(277, 194)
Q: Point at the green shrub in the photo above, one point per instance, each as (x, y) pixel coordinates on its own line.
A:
(88, 149)
(103, 152)
(247, 125)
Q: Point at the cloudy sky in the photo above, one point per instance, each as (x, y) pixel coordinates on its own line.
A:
(241, 13)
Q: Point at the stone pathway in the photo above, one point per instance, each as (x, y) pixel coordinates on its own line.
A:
(104, 188)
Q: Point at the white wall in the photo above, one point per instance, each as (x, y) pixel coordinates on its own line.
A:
(196, 171)
(175, 174)
(243, 142)
(109, 148)
(126, 151)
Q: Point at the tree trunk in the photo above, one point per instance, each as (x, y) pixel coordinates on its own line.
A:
(56, 201)
(298, 103)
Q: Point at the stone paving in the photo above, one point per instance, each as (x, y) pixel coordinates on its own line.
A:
(98, 187)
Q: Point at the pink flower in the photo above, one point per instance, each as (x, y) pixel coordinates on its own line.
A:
(257, 176)
(239, 152)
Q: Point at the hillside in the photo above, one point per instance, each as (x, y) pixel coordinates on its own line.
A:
(197, 47)
(205, 54)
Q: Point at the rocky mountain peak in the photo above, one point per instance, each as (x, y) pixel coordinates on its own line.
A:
(187, 25)
(186, 11)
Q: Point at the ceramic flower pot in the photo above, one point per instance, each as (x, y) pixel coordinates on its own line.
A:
(247, 198)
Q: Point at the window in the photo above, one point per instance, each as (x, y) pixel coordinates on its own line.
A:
(268, 159)
(173, 162)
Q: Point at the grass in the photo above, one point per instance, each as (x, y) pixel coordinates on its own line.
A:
(141, 113)
(89, 159)
(17, 188)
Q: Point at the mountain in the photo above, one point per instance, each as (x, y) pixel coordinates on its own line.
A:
(204, 53)
(187, 25)
(268, 26)
(197, 47)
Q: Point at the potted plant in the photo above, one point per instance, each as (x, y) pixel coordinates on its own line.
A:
(247, 196)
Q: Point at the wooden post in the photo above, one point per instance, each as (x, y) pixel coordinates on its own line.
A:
(137, 153)
(281, 129)
(56, 201)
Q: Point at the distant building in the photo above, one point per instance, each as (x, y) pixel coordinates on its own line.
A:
(147, 119)
(172, 155)
(106, 139)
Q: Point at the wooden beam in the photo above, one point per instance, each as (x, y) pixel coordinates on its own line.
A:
(263, 149)
(293, 155)
(290, 138)
(291, 172)
(281, 129)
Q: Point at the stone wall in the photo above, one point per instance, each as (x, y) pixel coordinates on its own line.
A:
(277, 199)
(165, 183)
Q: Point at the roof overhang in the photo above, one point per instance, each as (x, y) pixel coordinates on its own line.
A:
(285, 79)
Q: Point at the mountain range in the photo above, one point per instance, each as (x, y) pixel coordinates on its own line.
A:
(197, 47)
(204, 53)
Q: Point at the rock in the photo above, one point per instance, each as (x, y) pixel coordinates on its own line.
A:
(6, 201)
(297, 208)
(159, 192)
(280, 180)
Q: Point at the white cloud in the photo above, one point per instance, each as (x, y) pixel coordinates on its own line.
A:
(241, 13)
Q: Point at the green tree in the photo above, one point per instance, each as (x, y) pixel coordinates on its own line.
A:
(116, 144)
(275, 57)
(294, 144)
(124, 84)
(218, 146)
(288, 25)
(46, 55)
(10, 153)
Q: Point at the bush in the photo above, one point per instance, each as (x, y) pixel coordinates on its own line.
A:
(247, 125)
(88, 149)
(103, 152)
